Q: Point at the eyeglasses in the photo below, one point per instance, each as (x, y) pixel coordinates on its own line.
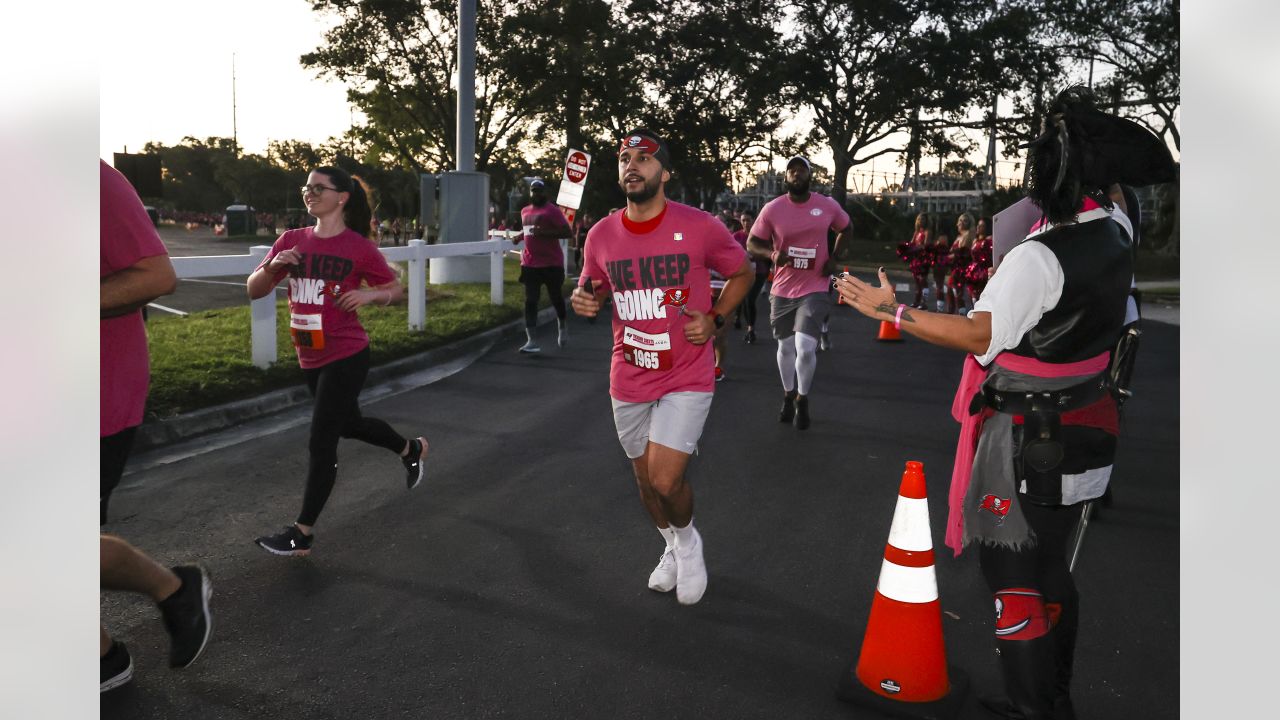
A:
(316, 189)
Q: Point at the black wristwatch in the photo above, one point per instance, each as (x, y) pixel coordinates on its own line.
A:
(718, 318)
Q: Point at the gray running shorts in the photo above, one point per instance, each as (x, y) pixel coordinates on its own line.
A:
(804, 314)
(674, 420)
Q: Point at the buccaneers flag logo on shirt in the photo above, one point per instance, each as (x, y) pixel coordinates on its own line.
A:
(996, 505)
(675, 297)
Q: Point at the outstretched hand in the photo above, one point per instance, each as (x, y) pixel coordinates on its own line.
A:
(874, 302)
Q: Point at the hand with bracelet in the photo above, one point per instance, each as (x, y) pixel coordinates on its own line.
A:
(349, 301)
(878, 303)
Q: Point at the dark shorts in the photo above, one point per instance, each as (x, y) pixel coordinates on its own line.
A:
(113, 454)
(552, 276)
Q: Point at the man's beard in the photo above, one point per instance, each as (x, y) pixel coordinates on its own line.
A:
(645, 194)
(539, 201)
(797, 188)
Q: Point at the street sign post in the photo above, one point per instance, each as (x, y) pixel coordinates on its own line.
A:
(576, 165)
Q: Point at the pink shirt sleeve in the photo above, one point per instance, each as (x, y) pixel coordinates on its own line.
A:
(591, 266)
(374, 267)
(124, 221)
(840, 220)
(763, 226)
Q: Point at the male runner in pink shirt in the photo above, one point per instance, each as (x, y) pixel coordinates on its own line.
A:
(542, 262)
(792, 232)
(655, 258)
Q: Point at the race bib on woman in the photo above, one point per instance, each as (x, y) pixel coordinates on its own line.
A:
(643, 350)
(307, 331)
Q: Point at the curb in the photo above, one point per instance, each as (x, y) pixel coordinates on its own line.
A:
(159, 433)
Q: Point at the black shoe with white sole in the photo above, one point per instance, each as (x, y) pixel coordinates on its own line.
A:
(186, 615)
(291, 541)
(414, 467)
(116, 667)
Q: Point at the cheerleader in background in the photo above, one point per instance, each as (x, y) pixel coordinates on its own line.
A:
(958, 263)
(980, 269)
(940, 255)
(918, 256)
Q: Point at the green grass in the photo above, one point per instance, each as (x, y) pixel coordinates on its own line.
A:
(204, 359)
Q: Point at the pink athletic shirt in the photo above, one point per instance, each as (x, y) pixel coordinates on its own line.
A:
(799, 230)
(651, 274)
(541, 251)
(321, 331)
(125, 236)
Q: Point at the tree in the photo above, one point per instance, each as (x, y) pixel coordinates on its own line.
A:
(897, 71)
(1138, 39)
(398, 57)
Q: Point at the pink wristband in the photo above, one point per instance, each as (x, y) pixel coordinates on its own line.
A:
(897, 318)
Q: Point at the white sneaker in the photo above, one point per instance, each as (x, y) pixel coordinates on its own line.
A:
(530, 347)
(663, 577)
(942, 306)
(691, 571)
(562, 337)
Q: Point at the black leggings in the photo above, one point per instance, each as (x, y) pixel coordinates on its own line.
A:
(113, 453)
(1042, 567)
(533, 280)
(749, 303)
(336, 388)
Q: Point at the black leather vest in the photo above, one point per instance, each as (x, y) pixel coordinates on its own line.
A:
(1097, 267)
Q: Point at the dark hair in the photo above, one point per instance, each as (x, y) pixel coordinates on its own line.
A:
(1061, 159)
(356, 213)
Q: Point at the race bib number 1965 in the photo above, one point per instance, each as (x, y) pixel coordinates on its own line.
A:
(651, 352)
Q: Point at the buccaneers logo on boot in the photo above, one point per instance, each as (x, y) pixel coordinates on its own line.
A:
(996, 505)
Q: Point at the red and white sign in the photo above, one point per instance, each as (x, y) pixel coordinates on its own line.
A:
(576, 165)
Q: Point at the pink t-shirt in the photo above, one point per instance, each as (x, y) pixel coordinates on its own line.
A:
(651, 275)
(125, 235)
(541, 251)
(799, 230)
(321, 331)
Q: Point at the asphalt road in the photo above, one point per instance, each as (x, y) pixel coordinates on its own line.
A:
(511, 584)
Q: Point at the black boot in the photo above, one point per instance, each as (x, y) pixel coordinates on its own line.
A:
(1065, 637)
(788, 407)
(1030, 675)
(802, 412)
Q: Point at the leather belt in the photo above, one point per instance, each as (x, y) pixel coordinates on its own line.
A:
(1021, 402)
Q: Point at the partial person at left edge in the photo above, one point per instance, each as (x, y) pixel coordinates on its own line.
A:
(134, 270)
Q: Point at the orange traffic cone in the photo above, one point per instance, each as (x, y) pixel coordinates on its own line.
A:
(902, 666)
(889, 333)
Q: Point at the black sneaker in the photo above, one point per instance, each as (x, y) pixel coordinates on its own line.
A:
(414, 467)
(802, 412)
(289, 542)
(788, 407)
(750, 337)
(116, 667)
(186, 615)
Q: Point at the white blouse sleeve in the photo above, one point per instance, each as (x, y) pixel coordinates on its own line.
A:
(1027, 285)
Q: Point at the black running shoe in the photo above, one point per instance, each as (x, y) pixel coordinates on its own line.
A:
(186, 615)
(289, 542)
(788, 407)
(750, 337)
(116, 667)
(802, 412)
(414, 466)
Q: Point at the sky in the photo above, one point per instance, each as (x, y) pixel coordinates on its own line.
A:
(166, 73)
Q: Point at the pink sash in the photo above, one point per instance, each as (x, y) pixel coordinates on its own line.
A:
(971, 425)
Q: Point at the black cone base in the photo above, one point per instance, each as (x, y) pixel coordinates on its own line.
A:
(850, 690)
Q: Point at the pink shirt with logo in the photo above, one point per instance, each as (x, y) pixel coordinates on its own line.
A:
(125, 236)
(542, 251)
(321, 331)
(650, 276)
(799, 231)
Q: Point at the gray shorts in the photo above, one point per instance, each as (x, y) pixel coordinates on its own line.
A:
(674, 420)
(804, 314)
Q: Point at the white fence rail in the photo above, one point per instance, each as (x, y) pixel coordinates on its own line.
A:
(263, 310)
